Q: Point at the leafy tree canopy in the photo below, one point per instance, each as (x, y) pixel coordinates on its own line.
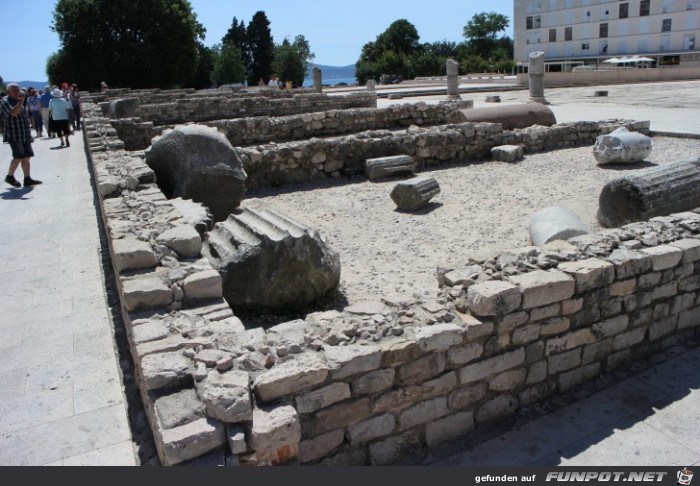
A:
(228, 68)
(149, 44)
(261, 48)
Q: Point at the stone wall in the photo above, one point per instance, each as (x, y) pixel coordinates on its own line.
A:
(280, 164)
(201, 110)
(137, 135)
(155, 96)
(372, 383)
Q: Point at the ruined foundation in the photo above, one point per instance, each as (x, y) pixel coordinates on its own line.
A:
(380, 379)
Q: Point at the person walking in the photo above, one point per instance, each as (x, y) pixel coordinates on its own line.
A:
(58, 109)
(75, 102)
(34, 104)
(18, 134)
(45, 99)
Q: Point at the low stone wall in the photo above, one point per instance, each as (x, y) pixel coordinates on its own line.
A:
(137, 135)
(308, 160)
(372, 383)
(155, 96)
(201, 110)
(616, 76)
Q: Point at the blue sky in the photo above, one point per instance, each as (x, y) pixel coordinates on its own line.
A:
(336, 29)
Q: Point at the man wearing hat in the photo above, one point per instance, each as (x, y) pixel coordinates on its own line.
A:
(18, 134)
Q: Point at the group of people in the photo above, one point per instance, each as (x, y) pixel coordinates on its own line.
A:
(276, 83)
(21, 111)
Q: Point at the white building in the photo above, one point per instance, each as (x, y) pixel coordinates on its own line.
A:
(577, 32)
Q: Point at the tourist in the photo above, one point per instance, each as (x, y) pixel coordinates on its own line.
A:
(288, 85)
(75, 102)
(18, 134)
(103, 87)
(34, 104)
(66, 96)
(261, 83)
(273, 82)
(45, 99)
(58, 109)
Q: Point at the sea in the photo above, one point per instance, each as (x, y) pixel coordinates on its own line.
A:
(308, 82)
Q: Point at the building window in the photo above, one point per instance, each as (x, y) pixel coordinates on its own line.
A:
(624, 10)
(603, 31)
(528, 23)
(644, 8)
(585, 46)
(538, 22)
(552, 35)
(666, 25)
(691, 5)
(569, 34)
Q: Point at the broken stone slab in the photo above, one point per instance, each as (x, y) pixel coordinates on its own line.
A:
(267, 260)
(227, 396)
(415, 194)
(179, 408)
(196, 214)
(508, 153)
(146, 292)
(133, 254)
(189, 441)
(291, 377)
(122, 108)
(183, 239)
(512, 116)
(203, 285)
(555, 223)
(657, 191)
(236, 439)
(274, 428)
(395, 166)
(622, 147)
(164, 370)
(198, 163)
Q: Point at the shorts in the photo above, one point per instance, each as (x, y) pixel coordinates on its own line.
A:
(61, 127)
(21, 150)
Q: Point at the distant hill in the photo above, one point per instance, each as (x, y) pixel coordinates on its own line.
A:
(27, 84)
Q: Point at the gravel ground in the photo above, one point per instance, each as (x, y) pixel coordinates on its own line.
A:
(482, 206)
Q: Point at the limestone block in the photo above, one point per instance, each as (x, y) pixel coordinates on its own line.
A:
(555, 326)
(352, 360)
(179, 408)
(320, 446)
(537, 373)
(398, 350)
(690, 247)
(415, 194)
(397, 400)
(570, 341)
(612, 327)
(493, 298)
(339, 416)
(492, 366)
(507, 153)
(439, 337)
(630, 263)
(374, 428)
(423, 412)
(564, 361)
(164, 370)
(546, 312)
(421, 369)
(393, 448)
(227, 396)
(661, 328)
(189, 441)
(664, 257)
(183, 239)
(203, 285)
(555, 223)
(274, 428)
(622, 147)
(465, 397)
(508, 380)
(439, 386)
(629, 339)
(689, 318)
(465, 354)
(497, 408)
(575, 377)
(541, 288)
(133, 254)
(291, 377)
(236, 439)
(450, 428)
(322, 398)
(589, 274)
(146, 292)
(374, 382)
(623, 288)
(385, 167)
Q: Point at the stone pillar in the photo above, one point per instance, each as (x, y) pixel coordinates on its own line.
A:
(536, 72)
(318, 79)
(371, 85)
(452, 80)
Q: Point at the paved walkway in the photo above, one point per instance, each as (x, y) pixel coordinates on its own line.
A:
(61, 399)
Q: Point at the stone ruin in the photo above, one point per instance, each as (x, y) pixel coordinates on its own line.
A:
(374, 381)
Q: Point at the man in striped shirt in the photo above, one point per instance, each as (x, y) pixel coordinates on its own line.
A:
(18, 134)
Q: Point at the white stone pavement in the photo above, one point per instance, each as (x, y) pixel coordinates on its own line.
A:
(61, 398)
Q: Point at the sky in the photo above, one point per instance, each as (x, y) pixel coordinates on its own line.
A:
(336, 29)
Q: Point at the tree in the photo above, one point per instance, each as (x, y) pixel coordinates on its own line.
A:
(228, 66)
(304, 48)
(289, 64)
(205, 66)
(236, 35)
(152, 44)
(261, 48)
(390, 53)
(482, 31)
(3, 88)
(401, 37)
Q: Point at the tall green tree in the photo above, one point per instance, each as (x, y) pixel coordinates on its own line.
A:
(149, 44)
(236, 35)
(292, 60)
(482, 32)
(390, 53)
(261, 48)
(228, 66)
(205, 65)
(401, 37)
